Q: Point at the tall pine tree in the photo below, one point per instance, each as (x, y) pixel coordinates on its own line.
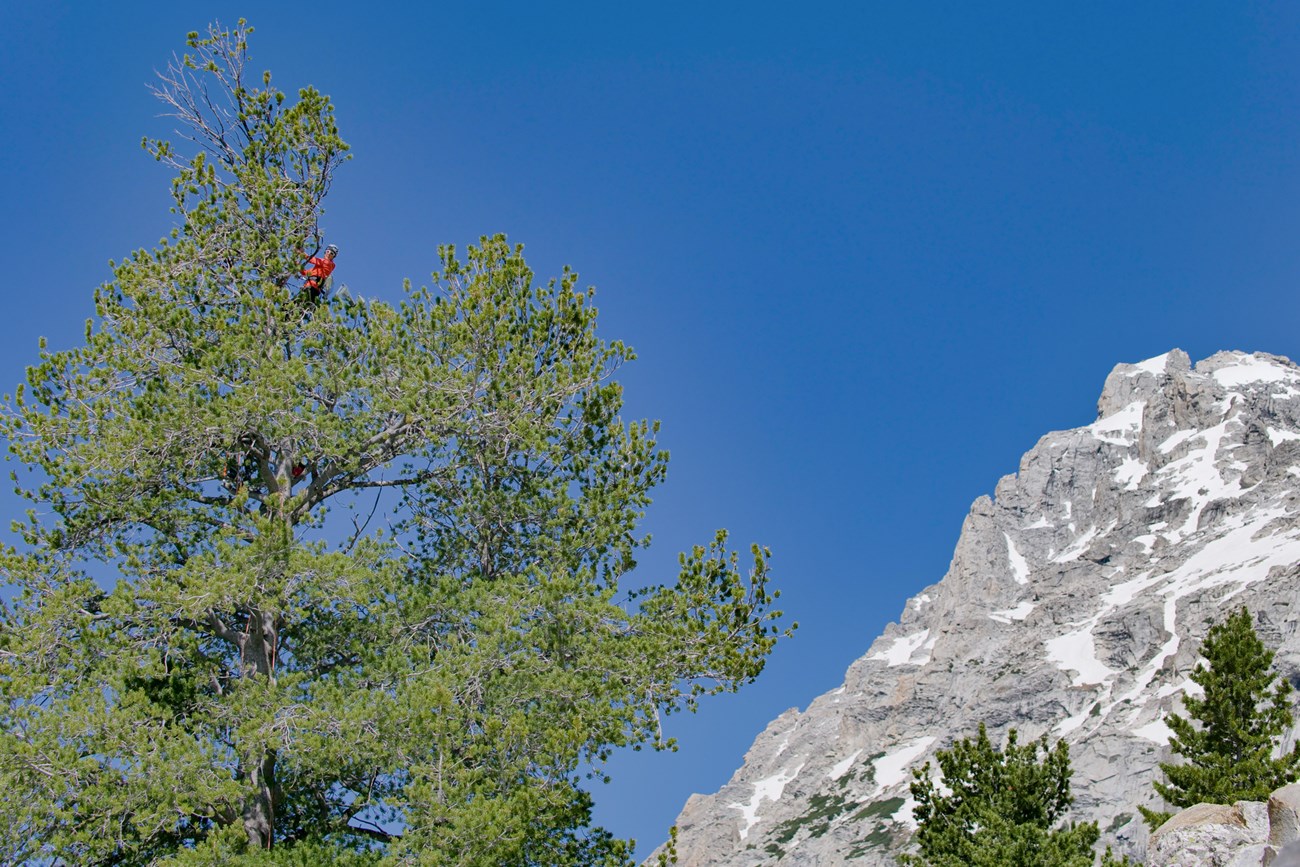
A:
(334, 583)
(1231, 732)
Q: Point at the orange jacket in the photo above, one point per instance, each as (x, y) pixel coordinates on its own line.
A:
(317, 270)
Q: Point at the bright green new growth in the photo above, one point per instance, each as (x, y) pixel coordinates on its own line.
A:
(998, 808)
(1243, 713)
(335, 584)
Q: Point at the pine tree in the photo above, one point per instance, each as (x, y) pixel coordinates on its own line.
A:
(1230, 734)
(335, 583)
(998, 808)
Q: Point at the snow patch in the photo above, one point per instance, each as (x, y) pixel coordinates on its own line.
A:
(1076, 651)
(1147, 541)
(1122, 594)
(1020, 612)
(1120, 427)
(904, 816)
(1156, 732)
(1019, 565)
(1132, 472)
(1277, 437)
(1250, 369)
(1187, 686)
(1196, 477)
(842, 768)
(768, 789)
(1080, 545)
(1175, 441)
(928, 649)
(1072, 723)
(891, 768)
(1157, 365)
(785, 741)
(903, 649)
(1137, 695)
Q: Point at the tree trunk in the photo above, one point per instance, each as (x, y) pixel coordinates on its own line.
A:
(257, 651)
(259, 809)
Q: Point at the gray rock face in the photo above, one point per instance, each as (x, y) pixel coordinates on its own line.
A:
(1074, 606)
(1211, 835)
(1288, 857)
(1244, 834)
(1284, 815)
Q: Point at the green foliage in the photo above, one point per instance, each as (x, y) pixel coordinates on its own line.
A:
(817, 821)
(1154, 818)
(1230, 734)
(1108, 859)
(338, 583)
(668, 852)
(998, 808)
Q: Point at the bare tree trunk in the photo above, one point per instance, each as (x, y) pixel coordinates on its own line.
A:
(258, 651)
(259, 809)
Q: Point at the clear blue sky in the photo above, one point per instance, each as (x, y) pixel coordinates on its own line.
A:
(868, 254)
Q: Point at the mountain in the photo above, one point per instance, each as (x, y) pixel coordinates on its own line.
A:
(1074, 606)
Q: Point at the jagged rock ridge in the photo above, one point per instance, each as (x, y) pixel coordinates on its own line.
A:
(1075, 602)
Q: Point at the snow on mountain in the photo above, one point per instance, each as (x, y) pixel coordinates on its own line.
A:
(1073, 607)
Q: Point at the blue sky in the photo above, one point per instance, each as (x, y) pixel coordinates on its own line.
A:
(867, 254)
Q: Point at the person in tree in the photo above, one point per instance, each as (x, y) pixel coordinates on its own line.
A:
(241, 465)
(317, 270)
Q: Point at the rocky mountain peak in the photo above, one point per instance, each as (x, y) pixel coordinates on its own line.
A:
(1075, 601)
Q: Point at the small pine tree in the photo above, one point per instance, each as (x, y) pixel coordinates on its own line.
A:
(1001, 809)
(1244, 711)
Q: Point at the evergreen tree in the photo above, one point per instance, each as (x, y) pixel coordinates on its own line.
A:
(998, 808)
(1230, 734)
(336, 583)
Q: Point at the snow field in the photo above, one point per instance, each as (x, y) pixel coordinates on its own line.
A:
(1236, 556)
(1250, 369)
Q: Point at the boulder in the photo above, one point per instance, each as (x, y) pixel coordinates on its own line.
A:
(1284, 815)
(1212, 835)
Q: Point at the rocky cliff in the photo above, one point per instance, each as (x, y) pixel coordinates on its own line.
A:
(1074, 606)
